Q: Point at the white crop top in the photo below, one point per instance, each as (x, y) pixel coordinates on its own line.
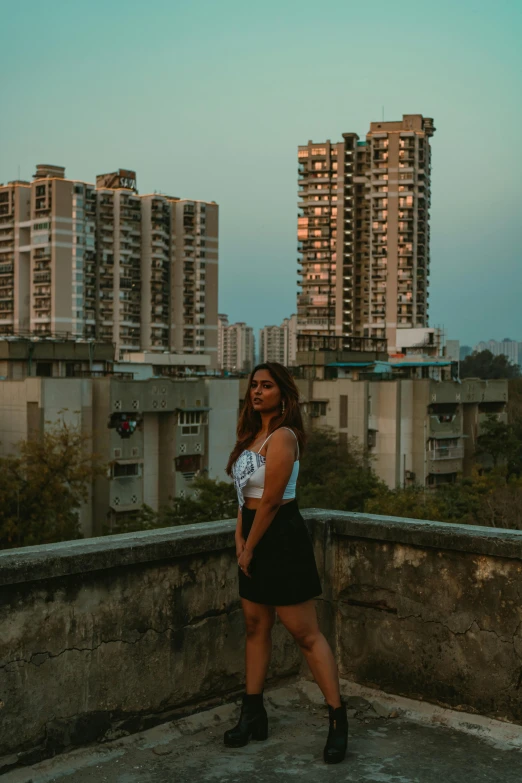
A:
(249, 473)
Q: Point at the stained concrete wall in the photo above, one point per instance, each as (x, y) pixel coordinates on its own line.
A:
(430, 610)
(102, 637)
(106, 636)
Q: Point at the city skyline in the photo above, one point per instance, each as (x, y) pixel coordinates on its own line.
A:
(239, 103)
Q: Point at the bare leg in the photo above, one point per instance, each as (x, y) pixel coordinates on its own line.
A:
(259, 620)
(301, 621)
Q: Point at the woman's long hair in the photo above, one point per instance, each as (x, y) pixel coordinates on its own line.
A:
(250, 420)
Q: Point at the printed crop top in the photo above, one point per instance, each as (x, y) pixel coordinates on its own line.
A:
(249, 473)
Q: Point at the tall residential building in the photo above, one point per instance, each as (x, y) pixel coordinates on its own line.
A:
(363, 232)
(279, 343)
(102, 262)
(222, 325)
(236, 349)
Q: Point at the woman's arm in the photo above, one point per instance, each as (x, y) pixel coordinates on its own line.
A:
(240, 541)
(280, 459)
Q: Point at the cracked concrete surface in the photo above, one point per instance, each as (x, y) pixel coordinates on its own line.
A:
(104, 638)
(392, 740)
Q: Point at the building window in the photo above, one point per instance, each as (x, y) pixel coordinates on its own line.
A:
(123, 470)
(189, 465)
(318, 409)
(189, 421)
(343, 411)
(44, 369)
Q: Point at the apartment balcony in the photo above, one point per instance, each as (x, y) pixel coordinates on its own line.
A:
(442, 453)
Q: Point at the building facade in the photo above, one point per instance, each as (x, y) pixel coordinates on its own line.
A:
(102, 262)
(418, 431)
(279, 343)
(155, 435)
(236, 346)
(363, 232)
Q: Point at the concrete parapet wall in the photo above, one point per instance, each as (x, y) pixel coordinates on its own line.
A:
(429, 610)
(102, 637)
(106, 636)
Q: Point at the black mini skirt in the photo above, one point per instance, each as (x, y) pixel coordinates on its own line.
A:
(283, 569)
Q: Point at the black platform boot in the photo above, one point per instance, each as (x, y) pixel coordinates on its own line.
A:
(335, 748)
(253, 722)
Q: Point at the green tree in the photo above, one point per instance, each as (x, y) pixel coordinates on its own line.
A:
(333, 475)
(498, 441)
(482, 364)
(42, 489)
(409, 503)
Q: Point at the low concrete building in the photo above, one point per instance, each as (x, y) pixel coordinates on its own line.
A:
(420, 431)
(156, 434)
(411, 412)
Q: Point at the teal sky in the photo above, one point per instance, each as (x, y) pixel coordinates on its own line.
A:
(210, 98)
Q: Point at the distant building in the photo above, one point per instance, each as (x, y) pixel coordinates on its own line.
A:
(272, 344)
(279, 343)
(506, 347)
(236, 346)
(465, 350)
(452, 350)
(222, 325)
(105, 263)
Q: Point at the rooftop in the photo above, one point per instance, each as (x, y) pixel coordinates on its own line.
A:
(391, 740)
(121, 657)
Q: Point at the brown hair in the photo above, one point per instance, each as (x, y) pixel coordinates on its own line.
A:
(250, 420)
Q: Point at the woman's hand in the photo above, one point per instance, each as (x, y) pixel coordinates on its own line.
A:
(240, 545)
(245, 559)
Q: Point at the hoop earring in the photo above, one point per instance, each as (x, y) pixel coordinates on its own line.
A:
(283, 406)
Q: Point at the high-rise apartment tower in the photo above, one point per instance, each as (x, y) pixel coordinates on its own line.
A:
(236, 348)
(279, 343)
(363, 232)
(103, 262)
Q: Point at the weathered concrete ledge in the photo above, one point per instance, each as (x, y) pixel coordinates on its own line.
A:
(106, 636)
(477, 539)
(96, 554)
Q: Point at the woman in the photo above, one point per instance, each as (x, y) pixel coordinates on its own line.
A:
(277, 570)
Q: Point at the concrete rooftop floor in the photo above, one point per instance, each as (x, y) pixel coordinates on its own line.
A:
(392, 740)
